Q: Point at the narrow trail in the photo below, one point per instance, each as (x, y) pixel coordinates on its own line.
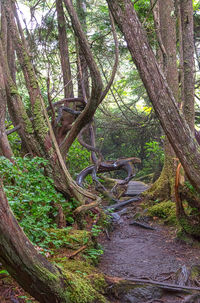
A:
(135, 252)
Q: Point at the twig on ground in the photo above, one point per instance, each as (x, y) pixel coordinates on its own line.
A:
(77, 252)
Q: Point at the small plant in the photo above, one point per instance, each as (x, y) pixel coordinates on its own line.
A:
(96, 230)
(93, 254)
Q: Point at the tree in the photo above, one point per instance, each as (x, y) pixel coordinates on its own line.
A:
(43, 141)
(174, 124)
(172, 121)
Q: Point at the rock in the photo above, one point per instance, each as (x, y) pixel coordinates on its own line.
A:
(142, 294)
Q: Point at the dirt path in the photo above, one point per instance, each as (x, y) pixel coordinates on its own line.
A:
(135, 252)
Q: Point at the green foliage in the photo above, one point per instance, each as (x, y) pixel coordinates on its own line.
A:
(78, 159)
(4, 272)
(154, 158)
(93, 254)
(14, 139)
(32, 197)
(96, 230)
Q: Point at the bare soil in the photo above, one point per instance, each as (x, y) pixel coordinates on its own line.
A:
(135, 252)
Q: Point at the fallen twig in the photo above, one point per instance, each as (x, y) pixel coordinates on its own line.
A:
(77, 252)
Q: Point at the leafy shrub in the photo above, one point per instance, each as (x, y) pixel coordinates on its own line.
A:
(32, 196)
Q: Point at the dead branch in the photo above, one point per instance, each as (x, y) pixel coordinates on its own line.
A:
(77, 252)
(86, 207)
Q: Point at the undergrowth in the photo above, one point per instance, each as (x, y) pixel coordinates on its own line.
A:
(33, 198)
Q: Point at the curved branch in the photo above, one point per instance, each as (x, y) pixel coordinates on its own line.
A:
(84, 144)
(120, 164)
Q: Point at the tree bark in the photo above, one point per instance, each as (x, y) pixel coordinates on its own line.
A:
(64, 52)
(187, 24)
(4, 143)
(163, 101)
(83, 83)
(163, 188)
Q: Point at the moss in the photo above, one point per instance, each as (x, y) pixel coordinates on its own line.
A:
(195, 272)
(85, 284)
(13, 91)
(78, 288)
(40, 125)
(189, 227)
(163, 188)
(31, 73)
(122, 5)
(165, 210)
(70, 238)
(28, 124)
(81, 290)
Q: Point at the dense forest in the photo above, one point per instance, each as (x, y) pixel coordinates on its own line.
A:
(93, 95)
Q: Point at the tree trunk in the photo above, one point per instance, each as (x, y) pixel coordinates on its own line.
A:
(163, 101)
(186, 10)
(64, 52)
(4, 143)
(163, 188)
(83, 83)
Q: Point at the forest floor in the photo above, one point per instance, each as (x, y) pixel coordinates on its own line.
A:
(134, 252)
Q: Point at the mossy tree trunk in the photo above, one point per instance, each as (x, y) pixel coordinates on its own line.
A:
(189, 223)
(5, 148)
(187, 28)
